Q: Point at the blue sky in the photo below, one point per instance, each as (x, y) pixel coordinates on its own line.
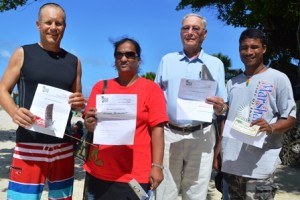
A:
(93, 24)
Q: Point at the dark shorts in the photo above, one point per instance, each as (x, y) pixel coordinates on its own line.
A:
(242, 188)
(97, 189)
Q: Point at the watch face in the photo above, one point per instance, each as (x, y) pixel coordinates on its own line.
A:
(49, 115)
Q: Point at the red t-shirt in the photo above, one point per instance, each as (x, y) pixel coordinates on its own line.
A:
(121, 163)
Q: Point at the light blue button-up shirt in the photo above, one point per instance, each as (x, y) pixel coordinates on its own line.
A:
(175, 66)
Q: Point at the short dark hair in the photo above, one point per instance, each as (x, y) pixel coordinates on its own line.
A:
(126, 39)
(53, 5)
(253, 33)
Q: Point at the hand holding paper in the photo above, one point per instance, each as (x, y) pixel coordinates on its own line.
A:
(51, 110)
(191, 101)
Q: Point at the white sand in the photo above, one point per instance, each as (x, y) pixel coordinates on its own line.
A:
(287, 178)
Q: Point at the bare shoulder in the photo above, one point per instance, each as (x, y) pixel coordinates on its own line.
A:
(13, 68)
(17, 58)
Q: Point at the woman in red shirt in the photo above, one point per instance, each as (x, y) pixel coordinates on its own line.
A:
(110, 168)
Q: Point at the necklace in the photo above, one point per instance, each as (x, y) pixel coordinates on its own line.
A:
(250, 76)
(248, 80)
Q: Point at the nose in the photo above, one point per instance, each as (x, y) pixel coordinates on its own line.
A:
(124, 58)
(53, 25)
(249, 50)
(190, 31)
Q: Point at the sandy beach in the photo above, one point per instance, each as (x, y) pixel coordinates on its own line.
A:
(287, 178)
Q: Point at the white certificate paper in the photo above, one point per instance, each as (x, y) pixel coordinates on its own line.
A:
(51, 110)
(244, 127)
(191, 99)
(244, 134)
(116, 119)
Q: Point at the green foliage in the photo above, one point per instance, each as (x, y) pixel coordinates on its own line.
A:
(225, 59)
(290, 153)
(149, 75)
(11, 4)
(229, 73)
(280, 20)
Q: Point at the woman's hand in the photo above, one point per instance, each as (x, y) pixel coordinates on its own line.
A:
(156, 177)
(90, 120)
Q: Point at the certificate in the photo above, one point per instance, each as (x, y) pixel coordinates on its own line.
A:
(196, 90)
(244, 127)
(194, 110)
(51, 110)
(191, 99)
(243, 132)
(116, 119)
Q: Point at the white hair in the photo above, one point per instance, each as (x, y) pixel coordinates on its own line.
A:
(196, 15)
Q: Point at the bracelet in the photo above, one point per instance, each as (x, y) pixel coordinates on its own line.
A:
(222, 110)
(157, 165)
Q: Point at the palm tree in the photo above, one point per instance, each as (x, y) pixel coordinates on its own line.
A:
(149, 75)
(229, 73)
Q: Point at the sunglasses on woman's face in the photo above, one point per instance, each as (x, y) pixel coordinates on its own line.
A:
(128, 55)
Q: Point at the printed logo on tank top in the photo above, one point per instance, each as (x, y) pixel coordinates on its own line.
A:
(259, 103)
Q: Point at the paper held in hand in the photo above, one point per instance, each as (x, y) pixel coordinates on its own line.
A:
(191, 101)
(116, 119)
(139, 191)
(51, 110)
(244, 127)
(242, 131)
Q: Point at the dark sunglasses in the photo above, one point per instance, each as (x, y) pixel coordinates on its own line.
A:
(128, 55)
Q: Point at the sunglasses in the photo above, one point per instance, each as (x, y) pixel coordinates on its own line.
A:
(128, 55)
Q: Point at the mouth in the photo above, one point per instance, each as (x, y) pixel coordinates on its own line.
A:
(123, 65)
(52, 35)
(189, 40)
(248, 60)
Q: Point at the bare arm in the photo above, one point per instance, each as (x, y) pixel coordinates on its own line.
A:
(279, 127)
(156, 174)
(76, 99)
(217, 162)
(21, 116)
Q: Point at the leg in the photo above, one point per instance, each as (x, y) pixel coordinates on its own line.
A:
(61, 175)
(236, 187)
(170, 186)
(198, 158)
(263, 189)
(224, 187)
(27, 172)
(242, 188)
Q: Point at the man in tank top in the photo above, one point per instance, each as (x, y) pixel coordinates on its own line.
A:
(40, 157)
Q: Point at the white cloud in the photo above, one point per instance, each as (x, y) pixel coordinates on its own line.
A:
(4, 53)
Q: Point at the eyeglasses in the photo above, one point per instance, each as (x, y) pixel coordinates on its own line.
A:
(195, 29)
(128, 55)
